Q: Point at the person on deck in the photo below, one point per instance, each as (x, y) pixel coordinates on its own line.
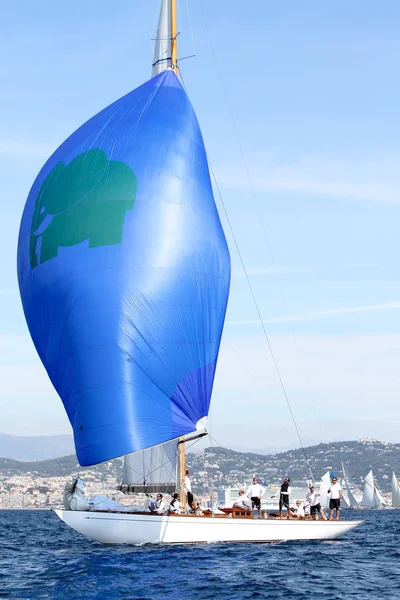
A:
(175, 507)
(255, 493)
(300, 512)
(187, 485)
(199, 508)
(315, 506)
(158, 505)
(243, 501)
(284, 497)
(336, 496)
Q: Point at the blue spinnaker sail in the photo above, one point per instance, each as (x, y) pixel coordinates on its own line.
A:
(124, 273)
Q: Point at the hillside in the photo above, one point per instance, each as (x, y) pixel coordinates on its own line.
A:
(59, 467)
(222, 466)
(358, 458)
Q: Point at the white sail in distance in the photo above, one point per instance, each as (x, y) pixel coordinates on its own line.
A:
(352, 502)
(395, 491)
(345, 503)
(162, 59)
(372, 497)
(323, 489)
(369, 491)
(379, 501)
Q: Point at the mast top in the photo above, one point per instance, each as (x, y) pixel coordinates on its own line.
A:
(166, 47)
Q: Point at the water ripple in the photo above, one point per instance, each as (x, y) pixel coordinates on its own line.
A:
(42, 559)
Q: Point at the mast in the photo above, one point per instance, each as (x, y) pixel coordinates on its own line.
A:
(166, 46)
(182, 470)
(174, 41)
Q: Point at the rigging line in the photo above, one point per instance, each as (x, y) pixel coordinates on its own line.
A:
(285, 306)
(205, 469)
(158, 467)
(210, 481)
(258, 311)
(228, 450)
(168, 461)
(190, 27)
(230, 226)
(262, 322)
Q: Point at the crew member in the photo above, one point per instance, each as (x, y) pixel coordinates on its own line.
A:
(187, 485)
(175, 507)
(243, 501)
(158, 505)
(315, 506)
(255, 493)
(300, 512)
(284, 497)
(336, 496)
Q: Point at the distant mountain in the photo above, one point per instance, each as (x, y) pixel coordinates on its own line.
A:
(28, 448)
(226, 467)
(59, 467)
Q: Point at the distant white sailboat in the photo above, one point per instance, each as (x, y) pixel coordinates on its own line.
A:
(395, 491)
(323, 489)
(372, 498)
(350, 499)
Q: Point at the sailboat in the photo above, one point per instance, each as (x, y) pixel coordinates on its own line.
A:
(395, 491)
(351, 502)
(124, 275)
(372, 497)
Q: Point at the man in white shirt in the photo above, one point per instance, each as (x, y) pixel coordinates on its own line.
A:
(158, 505)
(315, 506)
(255, 492)
(336, 496)
(187, 485)
(300, 512)
(243, 501)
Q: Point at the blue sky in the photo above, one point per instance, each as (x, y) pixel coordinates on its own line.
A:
(314, 93)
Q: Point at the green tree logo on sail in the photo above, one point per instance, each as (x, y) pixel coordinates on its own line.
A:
(86, 200)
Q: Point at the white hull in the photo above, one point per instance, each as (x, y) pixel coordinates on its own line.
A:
(117, 528)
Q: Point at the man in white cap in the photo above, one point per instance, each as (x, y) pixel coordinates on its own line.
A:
(243, 501)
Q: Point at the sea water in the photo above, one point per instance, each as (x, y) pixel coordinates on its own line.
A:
(41, 558)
